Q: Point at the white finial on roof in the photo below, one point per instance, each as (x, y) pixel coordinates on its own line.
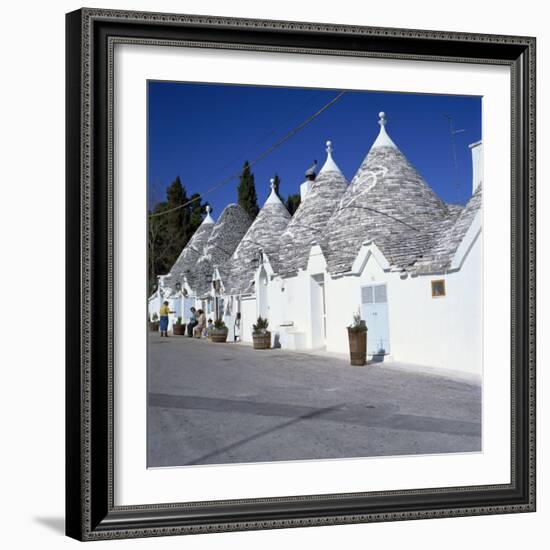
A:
(383, 140)
(209, 218)
(273, 197)
(330, 165)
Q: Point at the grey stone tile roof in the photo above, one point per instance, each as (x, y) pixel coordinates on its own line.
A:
(188, 257)
(309, 221)
(448, 237)
(389, 203)
(455, 209)
(263, 235)
(226, 235)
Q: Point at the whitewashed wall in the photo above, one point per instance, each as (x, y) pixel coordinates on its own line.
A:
(153, 304)
(289, 301)
(444, 332)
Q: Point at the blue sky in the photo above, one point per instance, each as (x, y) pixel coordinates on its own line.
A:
(205, 132)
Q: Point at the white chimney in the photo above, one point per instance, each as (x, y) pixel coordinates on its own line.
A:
(310, 175)
(305, 188)
(477, 164)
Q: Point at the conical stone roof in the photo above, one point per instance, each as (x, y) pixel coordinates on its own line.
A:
(448, 237)
(226, 234)
(309, 221)
(263, 235)
(388, 202)
(191, 252)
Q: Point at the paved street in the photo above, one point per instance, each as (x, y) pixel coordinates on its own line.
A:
(225, 403)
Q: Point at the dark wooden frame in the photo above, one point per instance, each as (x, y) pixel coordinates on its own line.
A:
(434, 294)
(91, 35)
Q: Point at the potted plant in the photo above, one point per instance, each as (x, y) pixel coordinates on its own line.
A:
(261, 337)
(357, 335)
(178, 328)
(218, 333)
(154, 323)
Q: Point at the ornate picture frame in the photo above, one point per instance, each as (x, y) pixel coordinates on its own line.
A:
(91, 512)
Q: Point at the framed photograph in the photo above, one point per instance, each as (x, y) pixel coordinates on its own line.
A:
(300, 274)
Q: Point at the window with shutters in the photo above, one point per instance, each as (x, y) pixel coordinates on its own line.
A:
(374, 294)
(380, 296)
(367, 296)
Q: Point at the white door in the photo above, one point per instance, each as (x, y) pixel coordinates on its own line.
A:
(374, 311)
(318, 312)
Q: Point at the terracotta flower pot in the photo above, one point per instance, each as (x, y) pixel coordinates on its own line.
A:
(261, 341)
(154, 326)
(178, 330)
(218, 335)
(357, 347)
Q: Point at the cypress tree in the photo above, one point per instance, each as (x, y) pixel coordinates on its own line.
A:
(197, 211)
(170, 232)
(292, 202)
(276, 183)
(178, 220)
(246, 192)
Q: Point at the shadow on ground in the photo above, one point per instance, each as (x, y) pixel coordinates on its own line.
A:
(56, 524)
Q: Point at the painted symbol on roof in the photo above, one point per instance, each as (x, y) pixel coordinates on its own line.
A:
(364, 180)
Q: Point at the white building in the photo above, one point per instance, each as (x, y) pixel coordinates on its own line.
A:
(240, 281)
(170, 287)
(390, 249)
(385, 246)
(190, 282)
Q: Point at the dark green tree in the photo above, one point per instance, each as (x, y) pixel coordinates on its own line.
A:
(177, 220)
(198, 210)
(292, 202)
(171, 224)
(246, 192)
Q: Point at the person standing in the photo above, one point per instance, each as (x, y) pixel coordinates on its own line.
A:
(192, 322)
(237, 328)
(163, 314)
(198, 330)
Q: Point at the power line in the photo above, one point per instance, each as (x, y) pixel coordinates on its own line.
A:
(264, 136)
(370, 209)
(260, 157)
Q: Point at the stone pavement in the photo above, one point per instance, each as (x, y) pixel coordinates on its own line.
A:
(225, 403)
